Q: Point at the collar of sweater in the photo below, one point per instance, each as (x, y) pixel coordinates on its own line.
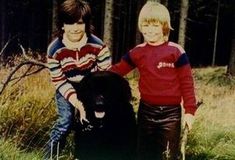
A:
(74, 45)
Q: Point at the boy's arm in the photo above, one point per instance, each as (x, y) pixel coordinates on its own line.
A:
(189, 100)
(62, 85)
(104, 59)
(121, 68)
(184, 72)
(124, 66)
(186, 84)
(187, 89)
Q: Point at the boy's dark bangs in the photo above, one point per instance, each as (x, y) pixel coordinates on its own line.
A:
(71, 18)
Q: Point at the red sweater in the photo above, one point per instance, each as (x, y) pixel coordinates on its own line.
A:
(165, 74)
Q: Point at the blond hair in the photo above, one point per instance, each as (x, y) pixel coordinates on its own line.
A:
(154, 12)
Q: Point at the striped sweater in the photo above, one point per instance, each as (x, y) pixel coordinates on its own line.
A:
(165, 74)
(69, 66)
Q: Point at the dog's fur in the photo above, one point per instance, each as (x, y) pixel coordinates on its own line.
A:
(111, 131)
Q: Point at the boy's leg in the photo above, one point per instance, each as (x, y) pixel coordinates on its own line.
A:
(147, 148)
(171, 129)
(61, 128)
(158, 132)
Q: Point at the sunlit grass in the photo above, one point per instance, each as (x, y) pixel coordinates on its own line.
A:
(27, 113)
(213, 134)
(27, 110)
(9, 151)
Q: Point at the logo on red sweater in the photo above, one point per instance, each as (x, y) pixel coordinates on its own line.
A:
(165, 64)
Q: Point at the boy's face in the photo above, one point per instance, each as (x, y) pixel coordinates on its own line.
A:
(74, 32)
(152, 32)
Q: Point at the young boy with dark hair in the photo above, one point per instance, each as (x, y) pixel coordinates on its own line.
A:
(71, 56)
(165, 80)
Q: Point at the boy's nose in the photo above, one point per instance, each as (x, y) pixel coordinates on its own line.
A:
(76, 27)
(149, 32)
(76, 24)
(151, 29)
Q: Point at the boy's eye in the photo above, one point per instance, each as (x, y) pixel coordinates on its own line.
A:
(145, 25)
(80, 22)
(69, 23)
(74, 23)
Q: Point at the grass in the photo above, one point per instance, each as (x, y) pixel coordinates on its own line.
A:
(9, 151)
(27, 112)
(213, 134)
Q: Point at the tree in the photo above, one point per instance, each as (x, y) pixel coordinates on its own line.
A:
(216, 32)
(155, 0)
(231, 66)
(52, 15)
(2, 20)
(165, 2)
(183, 21)
(108, 24)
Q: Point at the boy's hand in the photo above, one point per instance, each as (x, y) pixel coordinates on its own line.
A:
(82, 112)
(188, 120)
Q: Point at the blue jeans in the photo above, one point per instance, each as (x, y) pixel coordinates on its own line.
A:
(62, 127)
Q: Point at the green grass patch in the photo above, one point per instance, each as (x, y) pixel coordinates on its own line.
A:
(9, 151)
(27, 113)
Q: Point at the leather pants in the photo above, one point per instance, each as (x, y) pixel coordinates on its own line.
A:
(158, 132)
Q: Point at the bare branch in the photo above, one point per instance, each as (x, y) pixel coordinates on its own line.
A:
(8, 79)
(5, 46)
(35, 62)
(26, 61)
(21, 77)
(183, 142)
(11, 74)
(29, 74)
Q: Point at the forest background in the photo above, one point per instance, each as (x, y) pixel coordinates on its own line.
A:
(206, 29)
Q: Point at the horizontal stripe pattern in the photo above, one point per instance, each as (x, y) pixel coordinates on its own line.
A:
(68, 66)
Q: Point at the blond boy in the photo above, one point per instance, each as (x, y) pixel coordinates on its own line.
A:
(165, 80)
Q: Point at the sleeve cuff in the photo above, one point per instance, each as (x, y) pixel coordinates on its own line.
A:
(190, 109)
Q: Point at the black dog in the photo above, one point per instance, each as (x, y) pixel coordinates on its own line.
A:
(111, 131)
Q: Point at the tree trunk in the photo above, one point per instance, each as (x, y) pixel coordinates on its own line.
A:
(165, 2)
(138, 34)
(52, 15)
(183, 22)
(231, 66)
(108, 24)
(216, 31)
(3, 23)
(155, 0)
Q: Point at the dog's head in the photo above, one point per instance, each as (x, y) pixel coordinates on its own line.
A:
(102, 94)
(96, 112)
